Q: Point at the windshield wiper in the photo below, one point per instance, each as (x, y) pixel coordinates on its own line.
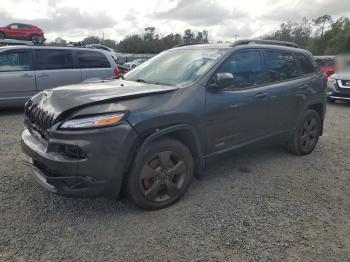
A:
(140, 80)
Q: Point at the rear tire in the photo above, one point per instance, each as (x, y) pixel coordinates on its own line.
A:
(162, 174)
(305, 137)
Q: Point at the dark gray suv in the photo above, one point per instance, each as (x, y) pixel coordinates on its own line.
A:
(150, 131)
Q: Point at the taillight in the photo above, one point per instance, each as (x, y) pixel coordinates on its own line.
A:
(117, 72)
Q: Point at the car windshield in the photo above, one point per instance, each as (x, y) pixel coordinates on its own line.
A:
(177, 67)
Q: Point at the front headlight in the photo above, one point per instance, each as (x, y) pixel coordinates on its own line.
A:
(96, 121)
(331, 83)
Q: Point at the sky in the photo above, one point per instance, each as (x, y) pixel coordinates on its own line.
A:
(75, 19)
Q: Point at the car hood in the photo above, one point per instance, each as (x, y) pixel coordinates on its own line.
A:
(68, 98)
(342, 75)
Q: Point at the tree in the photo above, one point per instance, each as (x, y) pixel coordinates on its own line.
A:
(297, 32)
(188, 37)
(110, 43)
(59, 42)
(321, 23)
(92, 40)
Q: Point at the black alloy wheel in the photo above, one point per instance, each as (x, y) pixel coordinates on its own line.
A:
(305, 138)
(309, 134)
(162, 174)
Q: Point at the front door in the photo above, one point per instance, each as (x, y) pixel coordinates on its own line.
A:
(237, 114)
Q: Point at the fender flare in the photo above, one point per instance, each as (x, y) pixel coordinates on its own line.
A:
(198, 157)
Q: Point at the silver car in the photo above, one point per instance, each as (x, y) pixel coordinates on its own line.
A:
(26, 70)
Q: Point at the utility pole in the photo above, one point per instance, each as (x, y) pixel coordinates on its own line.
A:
(236, 37)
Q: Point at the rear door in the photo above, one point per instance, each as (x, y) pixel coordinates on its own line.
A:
(284, 80)
(94, 65)
(17, 79)
(55, 67)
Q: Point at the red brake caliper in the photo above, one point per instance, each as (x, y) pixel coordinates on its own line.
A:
(147, 182)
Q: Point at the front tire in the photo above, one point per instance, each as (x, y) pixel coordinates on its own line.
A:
(305, 137)
(161, 175)
(2, 35)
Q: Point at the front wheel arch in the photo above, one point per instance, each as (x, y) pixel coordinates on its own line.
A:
(185, 133)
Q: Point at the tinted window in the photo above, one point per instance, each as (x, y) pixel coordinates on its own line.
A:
(305, 64)
(280, 66)
(15, 61)
(246, 69)
(90, 59)
(53, 59)
(330, 63)
(23, 26)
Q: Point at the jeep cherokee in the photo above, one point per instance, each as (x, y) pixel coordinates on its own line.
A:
(150, 131)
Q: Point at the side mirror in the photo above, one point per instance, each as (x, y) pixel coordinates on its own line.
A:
(221, 81)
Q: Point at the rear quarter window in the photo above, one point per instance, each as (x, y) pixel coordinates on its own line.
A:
(91, 59)
(305, 64)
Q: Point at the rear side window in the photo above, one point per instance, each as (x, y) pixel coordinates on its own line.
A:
(51, 59)
(305, 64)
(15, 61)
(330, 63)
(91, 59)
(246, 68)
(280, 65)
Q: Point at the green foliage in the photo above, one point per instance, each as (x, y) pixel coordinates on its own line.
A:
(322, 36)
(297, 32)
(335, 40)
(151, 42)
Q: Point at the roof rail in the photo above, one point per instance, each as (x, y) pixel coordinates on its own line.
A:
(265, 42)
(186, 44)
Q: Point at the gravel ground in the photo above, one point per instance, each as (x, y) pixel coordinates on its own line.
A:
(255, 206)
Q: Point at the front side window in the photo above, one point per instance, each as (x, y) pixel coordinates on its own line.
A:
(305, 64)
(14, 26)
(281, 66)
(178, 67)
(15, 61)
(51, 59)
(246, 68)
(91, 59)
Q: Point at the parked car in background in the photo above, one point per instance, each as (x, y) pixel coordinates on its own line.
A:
(104, 48)
(134, 63)
(149, 132)
(338, 87)
(22, 32)
(25, 71)
(327, 64)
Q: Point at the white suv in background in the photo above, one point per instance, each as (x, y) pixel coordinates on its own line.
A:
(25, 71)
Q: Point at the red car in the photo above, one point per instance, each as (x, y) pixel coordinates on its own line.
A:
(22, 32)
(327, 64)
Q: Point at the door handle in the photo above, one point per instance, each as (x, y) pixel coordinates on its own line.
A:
(260, 95)
(302, 86)
(43, 75)
(27, 76)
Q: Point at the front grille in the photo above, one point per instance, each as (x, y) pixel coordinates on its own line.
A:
(345, 83)
(39, 119)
